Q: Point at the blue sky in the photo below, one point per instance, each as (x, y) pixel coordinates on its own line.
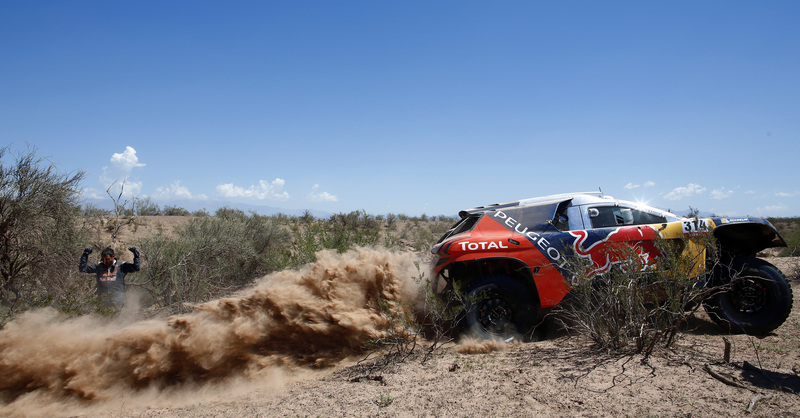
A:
(410, 107)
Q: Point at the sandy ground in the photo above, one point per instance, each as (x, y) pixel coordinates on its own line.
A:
(246, 362)
(556, 377)
(560, 376)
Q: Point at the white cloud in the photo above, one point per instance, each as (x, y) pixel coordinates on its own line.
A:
(176, 191)
(720, 194)
(119, 172)
(680, 192)
(127, 160)
(263, 191)
(631, 186)
(784, 194)
(131, 188)
(92, 193)
(316, 196)
(771, 210)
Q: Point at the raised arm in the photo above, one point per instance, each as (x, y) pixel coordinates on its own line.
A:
(137, 261)
(84, 266)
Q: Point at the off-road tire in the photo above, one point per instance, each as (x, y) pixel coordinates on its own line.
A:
(755, 298)
(499, 308)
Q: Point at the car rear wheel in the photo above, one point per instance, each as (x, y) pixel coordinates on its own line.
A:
(499, 308)
(756, 300)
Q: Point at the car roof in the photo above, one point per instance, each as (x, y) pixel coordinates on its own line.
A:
(585, 198)
(578, 198)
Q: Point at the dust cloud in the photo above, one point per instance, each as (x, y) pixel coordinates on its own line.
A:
(286, 323)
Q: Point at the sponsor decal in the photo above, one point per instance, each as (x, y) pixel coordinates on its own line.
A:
(597, 247)
(734, 220)
(532, 236)
(481, 245)
(593, 249)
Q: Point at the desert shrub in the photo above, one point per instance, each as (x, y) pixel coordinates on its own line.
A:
(638, 303)
(789, 228)
(391, 221)
(305, 243)
(432, 319)
(175, 211)
(208, 257)
(93, 211)
(354, 229)
(39, 233)
(421, 235)
(340, 232)
(284, 219)
(228, 212)
(306, 217)
(439, 313)
(401, 334)
(144, 207)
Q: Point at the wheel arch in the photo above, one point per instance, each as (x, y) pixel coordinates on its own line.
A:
(470, 271)
(747, 238)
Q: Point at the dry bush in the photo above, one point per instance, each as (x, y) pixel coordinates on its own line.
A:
(39, 232)
(638, 303)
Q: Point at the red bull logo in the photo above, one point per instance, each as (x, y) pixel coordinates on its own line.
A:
(606, 248)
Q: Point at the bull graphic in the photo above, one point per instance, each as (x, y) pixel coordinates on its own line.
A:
(606, 247)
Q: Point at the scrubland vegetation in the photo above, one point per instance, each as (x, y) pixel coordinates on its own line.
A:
(192, 257)
(789, 229)
(44, 227)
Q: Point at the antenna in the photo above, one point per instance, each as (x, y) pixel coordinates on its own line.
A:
(601, 191)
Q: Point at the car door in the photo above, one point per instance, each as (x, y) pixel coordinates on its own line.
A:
(615, 235)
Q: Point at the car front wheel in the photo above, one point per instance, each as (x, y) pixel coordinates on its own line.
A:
(499, 308)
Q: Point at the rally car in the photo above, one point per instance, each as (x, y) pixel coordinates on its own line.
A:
(513, 260)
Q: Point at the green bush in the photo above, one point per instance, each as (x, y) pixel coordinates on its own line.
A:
(90, 210)
(354, 229)
(789, 228)
(208, 257)
(144, 207)
(200, 213)
(39, 232)
(340, 232)
(174, 211)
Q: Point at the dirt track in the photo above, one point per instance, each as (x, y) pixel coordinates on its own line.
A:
(561, 376)
(558, 377)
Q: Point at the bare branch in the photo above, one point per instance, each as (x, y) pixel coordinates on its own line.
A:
(119, 209)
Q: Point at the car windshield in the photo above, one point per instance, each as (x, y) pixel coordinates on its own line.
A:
(615, 215)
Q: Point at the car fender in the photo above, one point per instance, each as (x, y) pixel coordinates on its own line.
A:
(744, 236)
